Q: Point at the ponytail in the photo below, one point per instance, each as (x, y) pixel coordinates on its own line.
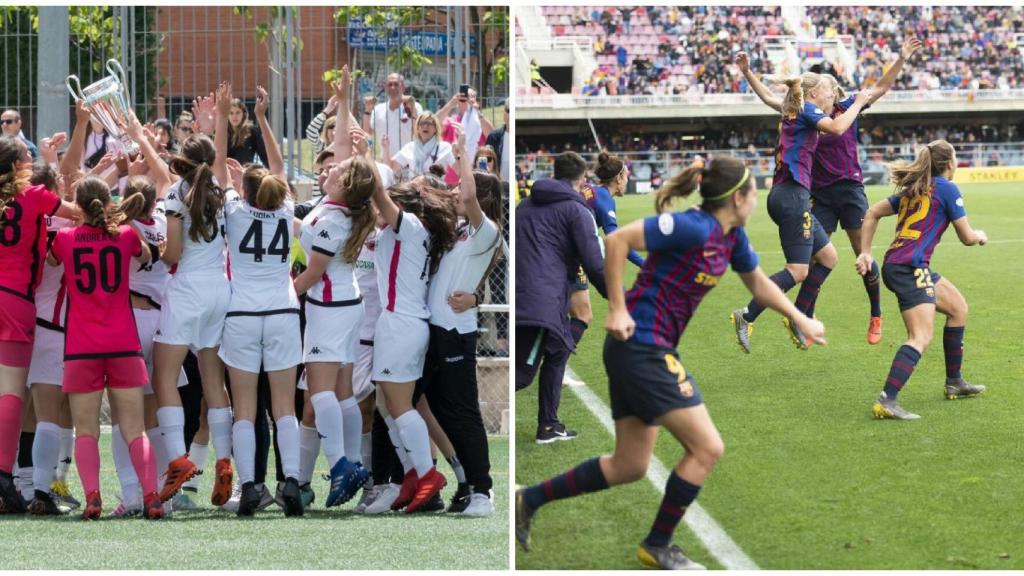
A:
(204, 199)
(93, 197)
(717, 180)
(679, 186)
(794, 100)
(357, 185)
(139, 198)
(913, 179)
(13, 176)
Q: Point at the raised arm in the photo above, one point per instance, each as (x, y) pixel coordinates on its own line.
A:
(73, 157)
(220, 135)
(879, 210)
(841, 123)
(275, 161)
(158, 170)
(887, 81)
(342, 144)
(467, 184)
(445, 110)
(368, 103)
(770, 99)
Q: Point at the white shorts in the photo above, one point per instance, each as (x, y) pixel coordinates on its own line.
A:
(47, 365)
(332, 333)
(400, 348)
(362, 384)
(273, 340)
(193, 311)
(147, 322)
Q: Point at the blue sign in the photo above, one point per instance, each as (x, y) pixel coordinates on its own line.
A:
(378, 40)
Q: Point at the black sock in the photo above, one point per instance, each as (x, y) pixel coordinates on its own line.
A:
(578, 327)
(810, 288)
(953, 346)
(872, 283)
(902, 367)
(784, 280)
(679, 494)
(587, 477)
(25, 449)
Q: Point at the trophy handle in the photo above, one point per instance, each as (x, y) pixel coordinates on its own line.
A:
(76, 92)
(114, 67)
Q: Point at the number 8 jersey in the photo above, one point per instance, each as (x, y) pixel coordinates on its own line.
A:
(259, 242)
(922, 221)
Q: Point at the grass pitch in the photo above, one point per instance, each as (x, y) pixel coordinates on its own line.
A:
(809, 479)
(210, 539)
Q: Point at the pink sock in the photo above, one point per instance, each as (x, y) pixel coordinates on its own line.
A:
(10, 430)
(87, 460)
(142, 461)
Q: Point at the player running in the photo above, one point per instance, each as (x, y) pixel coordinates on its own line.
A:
(927, 202)
(688, 253)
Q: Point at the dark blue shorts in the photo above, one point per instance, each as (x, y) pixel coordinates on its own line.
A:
(801, 235)
(580, 282)
(646, 381)
(912, 286)
(841, 203)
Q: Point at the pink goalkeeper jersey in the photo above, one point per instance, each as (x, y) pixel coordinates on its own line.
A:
(99, 322)
(23, 240)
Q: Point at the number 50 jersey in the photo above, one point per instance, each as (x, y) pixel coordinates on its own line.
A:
(259, 242)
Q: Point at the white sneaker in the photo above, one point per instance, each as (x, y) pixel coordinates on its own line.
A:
(369, 493)
(382, 503)
(572, 382)
(232, 504)
(480, 505)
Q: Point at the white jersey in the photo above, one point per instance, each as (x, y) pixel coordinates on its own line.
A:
(259, 242)
(197, 258)
(403, 261)
(462, 268)
(327, 233)
(395, 124)
(367, 277)
(51, 295)
(150, 280)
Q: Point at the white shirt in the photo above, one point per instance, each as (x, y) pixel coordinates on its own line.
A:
(440, 152)
(504, 156)
(462, 268)
(51, 294)
(259, 243)
(396, 124)
(366, 276)
(402, 259)
(150, 280)
(327, 234)
(197, 258)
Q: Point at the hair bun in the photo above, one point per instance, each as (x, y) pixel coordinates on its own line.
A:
(603, 158)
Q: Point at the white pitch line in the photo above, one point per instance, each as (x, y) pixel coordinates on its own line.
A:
(880, 246)
(711, 535)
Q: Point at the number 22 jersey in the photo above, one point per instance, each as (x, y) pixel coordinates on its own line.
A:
(922, 221)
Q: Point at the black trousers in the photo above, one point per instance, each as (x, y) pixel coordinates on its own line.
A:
(537, 348)
(449, 382)
(386, 466)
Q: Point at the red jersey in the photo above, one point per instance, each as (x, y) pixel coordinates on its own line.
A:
(99, 321)
(23, 240)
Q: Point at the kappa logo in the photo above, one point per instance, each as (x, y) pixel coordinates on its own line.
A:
(158, 332)
(385, 372)
(323, 234)
(320, 436)
(315, 350)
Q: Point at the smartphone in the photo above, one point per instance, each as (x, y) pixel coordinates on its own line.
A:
(464, 90)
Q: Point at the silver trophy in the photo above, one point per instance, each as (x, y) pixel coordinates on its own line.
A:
(110, 103)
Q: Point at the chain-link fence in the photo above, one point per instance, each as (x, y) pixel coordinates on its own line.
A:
(173, 54)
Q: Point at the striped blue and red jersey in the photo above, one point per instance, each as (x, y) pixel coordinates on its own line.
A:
(601, 202)
(687, 254)
(798, 138)
(836, 157)
(922, 221)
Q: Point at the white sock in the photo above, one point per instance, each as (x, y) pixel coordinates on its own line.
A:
(396, 439)
(309, 449)
(460, 472)
(198, 455)
(131, 491)
(172, 424)
(352, 420)
(416, 439)
(159, 448)
(244, 440)
(45, 454)
(366, 451)
(219, 420)
(329, 425)
(67, 448)
(288, 443)
(24, 482)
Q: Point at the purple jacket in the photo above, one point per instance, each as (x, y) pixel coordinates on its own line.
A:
(555, 233)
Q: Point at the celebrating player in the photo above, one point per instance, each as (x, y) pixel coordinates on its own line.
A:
(927, 202)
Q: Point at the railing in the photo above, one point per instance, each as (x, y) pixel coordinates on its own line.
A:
(584, 43)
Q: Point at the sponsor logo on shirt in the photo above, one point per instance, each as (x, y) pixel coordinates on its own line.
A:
(455, 359)
(960, 202)
(666, 223)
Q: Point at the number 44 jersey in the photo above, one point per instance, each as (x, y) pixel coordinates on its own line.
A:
(259, 242)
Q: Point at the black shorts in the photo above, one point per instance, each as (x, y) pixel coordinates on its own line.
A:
(580, 282)
(843, 202)
(801, 235)
(912, 286)
(646, 381)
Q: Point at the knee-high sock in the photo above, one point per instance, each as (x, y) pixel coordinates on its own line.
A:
(578, 328)
(460, 472)
(309, 449)
(67, 448)
(416, 439)
(10, 430)
(198, 455)
(160, 460)
(24, 479)
(329, 425)
(142, 460)
(126, 472)
(366, 451)
(679, 494)
(810, 287)
(396, 439)
(87, 460)
(45, 453)
(872, 284)
(352, 424)
(288, 443)
(244, 440)
(902, 367)
(172, 424)
(219, 420)
(953, 347)
(784, 280)
(587, 477)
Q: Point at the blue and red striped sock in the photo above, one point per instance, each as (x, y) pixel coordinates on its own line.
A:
(577, 327)
(784, 280)
(810, 288)
(902, 367)
(679, 494)
(587, 477)
(953, 346)
(873, 283)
